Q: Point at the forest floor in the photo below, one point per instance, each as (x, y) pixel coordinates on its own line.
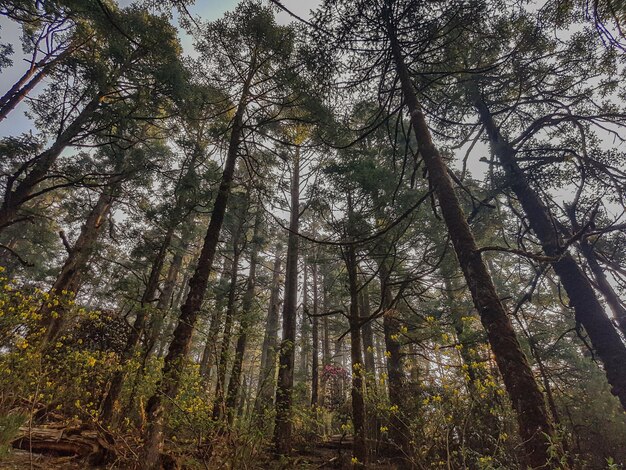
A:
(333, 454)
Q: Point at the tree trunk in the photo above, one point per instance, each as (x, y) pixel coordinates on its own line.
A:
(246, 320)
(603, 284)
(267, 375)
(283, 428)
(27, 82)
(315, 365)
(396, 377)
(221, 300)
(368, 338)
(521, 386)
(588, 310)
(164, 303)
(158, 406)
(117, 381)
(231, 307)
(68, 281)
(359, 449)
(15, 197)
(304, 325)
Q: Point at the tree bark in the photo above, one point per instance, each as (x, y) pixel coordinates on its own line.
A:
(117, 381)
(359, 449)
(158, 406)
(588, 310)
(231, 307)
(28, 81)
(315, 363)
(221, 300)
(67, 283)
(284, 389)
(246, 320)
(604, 286)
(520, 383)
(267, 376)
(15, 197)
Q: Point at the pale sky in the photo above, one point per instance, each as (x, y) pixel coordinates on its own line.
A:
(208, 10)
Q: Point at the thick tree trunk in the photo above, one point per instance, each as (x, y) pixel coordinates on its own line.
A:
(19, 191)
(68, 281)
(246, 320)
(267, 376)
(158, 406)
(109, 404)
(284, 389)
(588, 310)
(521, 386)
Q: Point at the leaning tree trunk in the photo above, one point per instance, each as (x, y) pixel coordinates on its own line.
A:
(29, 80)
(246, 320)
(267, 374)
(588, 310)
(68, 281)
(160, 403)
(22, 192)
(603, 284)
(284, 389)
(165, 299)
(523, 391)
(110, 402)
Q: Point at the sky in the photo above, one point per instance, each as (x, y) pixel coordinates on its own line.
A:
(208, 10)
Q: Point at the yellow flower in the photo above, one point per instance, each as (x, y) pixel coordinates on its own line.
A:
(354, 461)
(387, 354)
(384, 429)
(21, 343)
(91, 361)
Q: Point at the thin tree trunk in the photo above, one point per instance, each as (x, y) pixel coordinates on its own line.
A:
(284, 389)
(164, 303)
(117, 381)
(267, 376)
(246, 319)
(304, 325)
(231, 307)
(588, 310)
(359, 449)
(368, 338)
(521, 386)
(315, 366)
(27, 82)
(396, 377)
(221, 300)
(158, 406)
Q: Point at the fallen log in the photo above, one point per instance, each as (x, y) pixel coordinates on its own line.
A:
(62, 441)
